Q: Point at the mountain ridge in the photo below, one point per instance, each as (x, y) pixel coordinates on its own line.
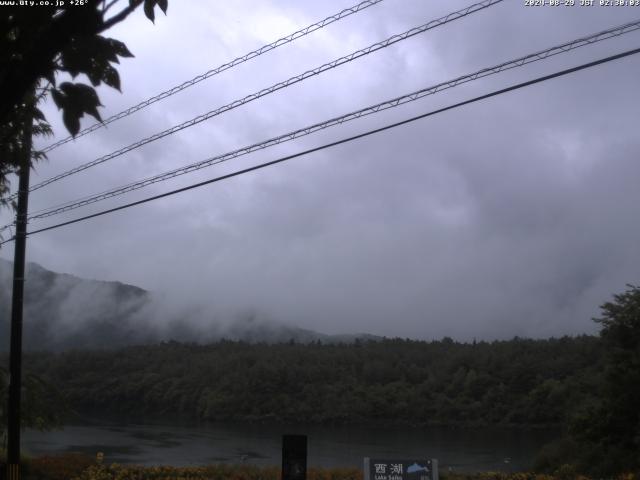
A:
(63, 311)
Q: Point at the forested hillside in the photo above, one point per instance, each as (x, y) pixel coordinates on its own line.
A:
(516, 382)
(64, 311)
(61, 310)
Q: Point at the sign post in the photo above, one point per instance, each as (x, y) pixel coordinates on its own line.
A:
(388, 469)
(294, 457)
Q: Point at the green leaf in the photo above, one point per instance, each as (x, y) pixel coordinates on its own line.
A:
(76, 57)
(37, 114)
(87, 100)
(72, 121)
(58, 98)
(119, 48)
(163, 4)
(148, 9)
(51, 76)
(111, 77)
(95, 75)
(78, 99)
(93, 57)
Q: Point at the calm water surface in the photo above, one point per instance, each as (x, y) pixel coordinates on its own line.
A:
(182, 444)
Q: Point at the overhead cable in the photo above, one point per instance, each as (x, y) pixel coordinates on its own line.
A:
(518, 62)
(225, 66)
(278, 86)
(342, 141)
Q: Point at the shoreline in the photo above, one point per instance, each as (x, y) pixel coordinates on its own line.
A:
(84, 467)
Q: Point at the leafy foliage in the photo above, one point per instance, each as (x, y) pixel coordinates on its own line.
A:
(38, 44)
(57, 467)
(76, 99)
(249, 472)
(43, 406)
(218, 472)
(94, 57)
(517, 382)
(12, 148)
(608, 430)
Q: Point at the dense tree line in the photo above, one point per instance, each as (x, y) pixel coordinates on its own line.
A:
(394, 381)
(607, 431)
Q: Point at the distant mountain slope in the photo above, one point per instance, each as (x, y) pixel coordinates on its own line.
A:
(66, 312)
(63, 311)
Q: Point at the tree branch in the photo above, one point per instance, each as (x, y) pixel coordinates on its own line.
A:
(120, 16)
(106, 8)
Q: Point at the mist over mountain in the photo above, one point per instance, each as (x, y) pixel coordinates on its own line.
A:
(64, 312)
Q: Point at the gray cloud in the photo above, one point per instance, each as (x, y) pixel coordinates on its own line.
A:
(512, 216)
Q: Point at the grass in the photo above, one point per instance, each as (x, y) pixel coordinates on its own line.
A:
(73, 466)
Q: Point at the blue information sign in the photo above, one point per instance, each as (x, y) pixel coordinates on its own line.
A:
(388, 469)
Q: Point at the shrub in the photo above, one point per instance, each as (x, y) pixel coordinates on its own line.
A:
(57, 467)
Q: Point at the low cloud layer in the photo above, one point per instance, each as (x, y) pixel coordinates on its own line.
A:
(513, 216)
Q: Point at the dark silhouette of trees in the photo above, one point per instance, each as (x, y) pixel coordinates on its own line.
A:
(43, 406)
(608, 430)
(517, 382)
(36, 45)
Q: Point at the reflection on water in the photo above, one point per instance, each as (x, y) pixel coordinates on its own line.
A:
(156, 443)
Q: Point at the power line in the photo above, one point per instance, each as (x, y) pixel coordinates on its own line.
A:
(226, 66)
(344, 140)
(278, 86)
(521, 61)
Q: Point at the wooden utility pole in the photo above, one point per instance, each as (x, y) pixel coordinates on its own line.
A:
(15, 355)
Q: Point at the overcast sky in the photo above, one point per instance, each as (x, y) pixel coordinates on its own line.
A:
(513, 216)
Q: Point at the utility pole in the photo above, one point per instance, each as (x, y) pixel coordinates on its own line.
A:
(15, 355)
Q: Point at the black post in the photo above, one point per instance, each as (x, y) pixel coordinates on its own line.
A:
(15, 355)
(294, 457)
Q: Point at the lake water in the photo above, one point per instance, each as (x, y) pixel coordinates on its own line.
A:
(182, 444)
